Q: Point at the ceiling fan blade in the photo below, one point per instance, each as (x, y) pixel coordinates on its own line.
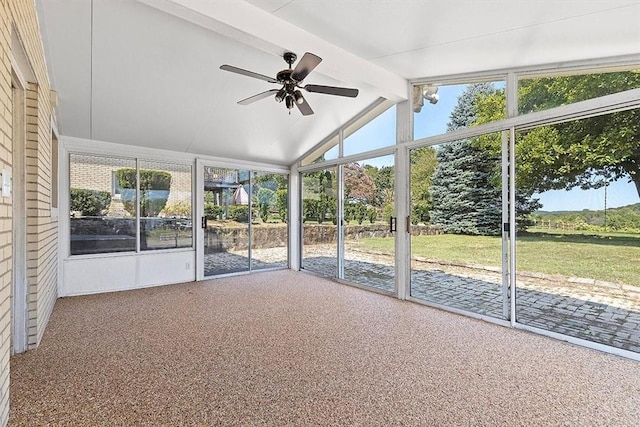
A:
(304, 108)
(258, 97)
(306, 65)
(332, 90)
(248, 73)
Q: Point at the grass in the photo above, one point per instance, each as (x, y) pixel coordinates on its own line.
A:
(612, 257)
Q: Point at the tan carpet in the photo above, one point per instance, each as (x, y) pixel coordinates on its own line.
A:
(287, 348)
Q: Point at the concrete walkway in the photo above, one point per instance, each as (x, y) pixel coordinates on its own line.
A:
(601, 312)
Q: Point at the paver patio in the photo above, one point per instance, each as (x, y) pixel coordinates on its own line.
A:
(595, 311)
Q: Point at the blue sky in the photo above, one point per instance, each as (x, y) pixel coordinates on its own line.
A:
(433, 119)
(619, 193)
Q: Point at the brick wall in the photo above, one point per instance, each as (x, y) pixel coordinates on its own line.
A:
(96, 173)
(20, 16)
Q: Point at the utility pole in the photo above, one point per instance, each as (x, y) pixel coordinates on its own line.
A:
(605, 206)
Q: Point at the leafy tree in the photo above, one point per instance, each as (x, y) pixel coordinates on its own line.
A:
(586, 153)
(358, 185)
(384, 181)
(265, 198)
(282, 204)
(357, 211)
(272, 181)
(423, 165)
(319, 190)
(275, 183)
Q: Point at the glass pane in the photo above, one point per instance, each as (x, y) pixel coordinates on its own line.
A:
(369, 245)
(326, 151)
(577, 257)
(226, 207)
(457, 106)
(101, 220)
(378, 133)
(269, 213)
(536, 94)
(319, 231)
(456, 231)
(165, 204)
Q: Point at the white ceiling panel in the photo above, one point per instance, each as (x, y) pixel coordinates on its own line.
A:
(66, 31)
(147, 72)
(417, 38)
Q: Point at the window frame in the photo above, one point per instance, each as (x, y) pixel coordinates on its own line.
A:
(65, 241)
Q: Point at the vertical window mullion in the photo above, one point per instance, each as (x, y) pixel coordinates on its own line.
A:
(250, 225)
(137, 206)
(340, 209)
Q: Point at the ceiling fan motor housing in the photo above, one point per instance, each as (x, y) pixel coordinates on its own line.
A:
(284, 76)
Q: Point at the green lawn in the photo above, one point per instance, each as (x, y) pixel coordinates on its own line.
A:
(614, 257)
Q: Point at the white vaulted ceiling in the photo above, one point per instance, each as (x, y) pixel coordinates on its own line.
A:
(146, 72)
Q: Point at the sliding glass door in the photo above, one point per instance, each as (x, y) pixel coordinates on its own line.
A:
(457, 241)
(319, 222)
(269, 221)
(369, 223)
(244, 221)
(226, 221)
(577, 257)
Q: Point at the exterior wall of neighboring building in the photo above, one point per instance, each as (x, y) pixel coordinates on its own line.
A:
(97, 173)
(20, 38)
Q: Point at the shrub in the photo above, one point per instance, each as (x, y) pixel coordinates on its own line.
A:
(212, 211)
(420, 212)
(89, 202)
(388, 210)
(309, 209)
(154, 190)
(238, 213)
(282, 203)
(265, 198)
(372, 214)
(178, 210)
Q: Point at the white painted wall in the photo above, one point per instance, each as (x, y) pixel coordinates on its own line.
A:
(109, 273)
(90, 274)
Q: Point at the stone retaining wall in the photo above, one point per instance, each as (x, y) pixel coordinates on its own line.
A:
(275, 235)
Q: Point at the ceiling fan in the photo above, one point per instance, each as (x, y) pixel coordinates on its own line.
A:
(291, 81)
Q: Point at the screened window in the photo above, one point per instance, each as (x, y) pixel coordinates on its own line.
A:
(444, 108)
(112, 198)
(164, 205)
(541, 93)
(328, 150)
(99, 223)
(378, 133)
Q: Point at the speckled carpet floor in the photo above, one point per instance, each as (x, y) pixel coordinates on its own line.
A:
(286, 348)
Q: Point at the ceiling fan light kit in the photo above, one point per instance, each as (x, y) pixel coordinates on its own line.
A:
(291, 80)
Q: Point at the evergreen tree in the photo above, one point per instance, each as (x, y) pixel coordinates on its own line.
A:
(466, 192)
(466, 198)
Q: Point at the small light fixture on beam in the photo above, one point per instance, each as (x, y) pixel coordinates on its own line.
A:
(422, 92)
